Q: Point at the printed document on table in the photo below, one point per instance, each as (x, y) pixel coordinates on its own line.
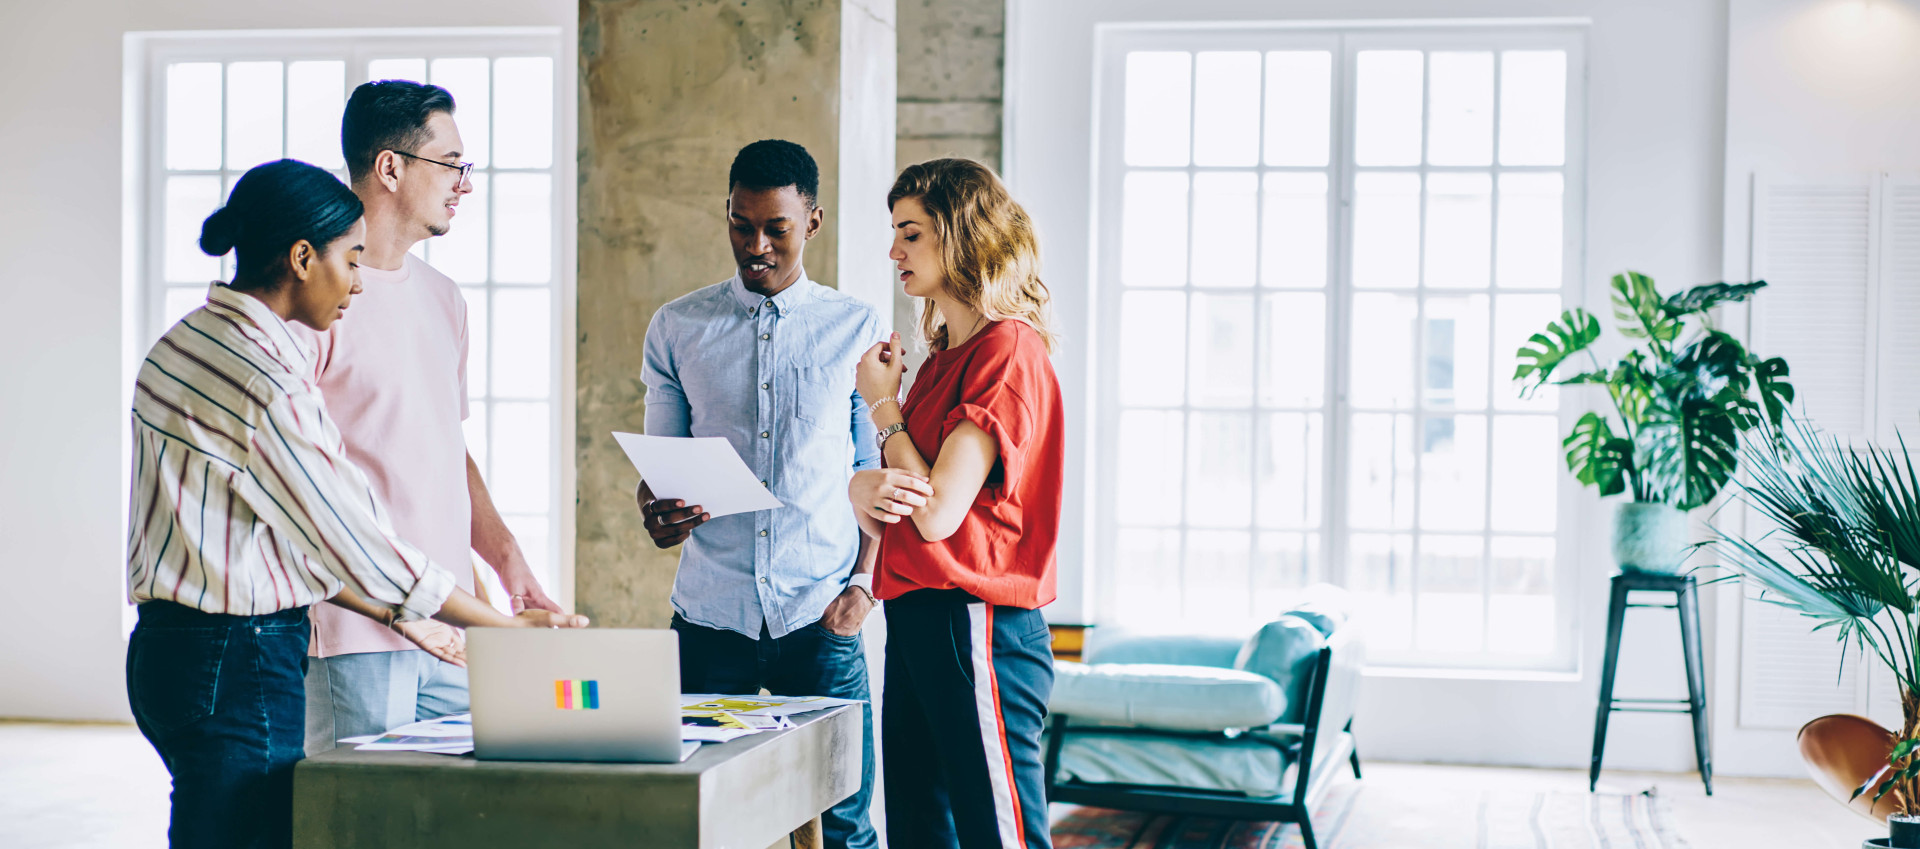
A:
(702, 471)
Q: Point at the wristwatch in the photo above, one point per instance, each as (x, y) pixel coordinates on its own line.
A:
(887, 431)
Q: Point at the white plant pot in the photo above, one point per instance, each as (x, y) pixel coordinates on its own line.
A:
(1650, 538)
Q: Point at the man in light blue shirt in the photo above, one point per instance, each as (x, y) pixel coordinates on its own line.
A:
(774, 598)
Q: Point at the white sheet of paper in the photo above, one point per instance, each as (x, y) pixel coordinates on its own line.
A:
(702, 471)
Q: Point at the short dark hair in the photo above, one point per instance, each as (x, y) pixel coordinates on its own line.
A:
(388, 115)
(776, 164)
(273, 206)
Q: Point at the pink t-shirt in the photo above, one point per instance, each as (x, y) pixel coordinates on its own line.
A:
(393, 374)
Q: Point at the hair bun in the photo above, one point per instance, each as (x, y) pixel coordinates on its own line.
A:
(220, 232)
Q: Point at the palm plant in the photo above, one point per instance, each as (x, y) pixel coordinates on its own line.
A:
(1845, 552)
(1681, 396)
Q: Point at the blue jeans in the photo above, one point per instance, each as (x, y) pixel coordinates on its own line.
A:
(812, 661)
(220, 699)
(353, 695)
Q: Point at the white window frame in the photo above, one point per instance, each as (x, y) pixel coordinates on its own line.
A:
(144, 166)
(1344, 40)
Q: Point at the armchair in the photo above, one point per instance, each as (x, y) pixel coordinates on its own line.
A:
(1222, 727)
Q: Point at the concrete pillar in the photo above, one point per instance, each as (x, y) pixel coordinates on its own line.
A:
(670, 90)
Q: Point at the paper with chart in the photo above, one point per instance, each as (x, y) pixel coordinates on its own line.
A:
(703, 471)
(715, 718)
(448, 735)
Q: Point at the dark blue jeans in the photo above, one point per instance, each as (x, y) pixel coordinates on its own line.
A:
(222, 699)
(812, 661)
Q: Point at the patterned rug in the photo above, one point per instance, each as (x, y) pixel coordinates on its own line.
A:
(1352, 818)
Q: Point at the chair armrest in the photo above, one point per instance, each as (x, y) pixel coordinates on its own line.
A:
(1169, 697)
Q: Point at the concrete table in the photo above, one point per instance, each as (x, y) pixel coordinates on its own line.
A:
(747, 794)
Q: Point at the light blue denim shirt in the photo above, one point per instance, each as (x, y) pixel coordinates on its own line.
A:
(775, 377)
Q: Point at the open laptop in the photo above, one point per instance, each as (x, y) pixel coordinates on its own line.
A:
(603, 694)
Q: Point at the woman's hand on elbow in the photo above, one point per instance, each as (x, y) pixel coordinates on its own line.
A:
(887, 495)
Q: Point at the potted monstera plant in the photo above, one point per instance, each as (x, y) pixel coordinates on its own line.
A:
(1682, 394)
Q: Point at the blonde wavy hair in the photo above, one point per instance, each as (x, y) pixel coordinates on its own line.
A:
(990, 259)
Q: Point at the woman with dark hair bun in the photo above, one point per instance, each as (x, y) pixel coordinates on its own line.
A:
(246, 510)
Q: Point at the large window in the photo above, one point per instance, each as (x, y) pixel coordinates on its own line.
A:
(218, 106)
(1318, 253)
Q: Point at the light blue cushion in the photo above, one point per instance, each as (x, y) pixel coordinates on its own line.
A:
(1323, 618)
(1107, 646)
(1176, 698)
(1284, 650)
(1230, 766)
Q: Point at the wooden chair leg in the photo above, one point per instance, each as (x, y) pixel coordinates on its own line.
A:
(807, 836)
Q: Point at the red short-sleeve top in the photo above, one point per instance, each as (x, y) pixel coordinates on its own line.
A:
(1003, 552)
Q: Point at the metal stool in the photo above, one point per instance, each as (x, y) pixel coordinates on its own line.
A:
(1687, 602)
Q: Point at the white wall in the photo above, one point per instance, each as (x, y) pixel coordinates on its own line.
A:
(64, 415)
(1816, 89)
(1656, 78)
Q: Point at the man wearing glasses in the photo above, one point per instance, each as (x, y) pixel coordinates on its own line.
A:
(393, 374)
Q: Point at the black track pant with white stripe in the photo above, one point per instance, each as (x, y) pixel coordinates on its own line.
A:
(965, 699)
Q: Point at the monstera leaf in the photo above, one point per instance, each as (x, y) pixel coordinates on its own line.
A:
(1699, 299)
(1546, 350)
(1689, 449)
(1775, 392)
(1641, 311)
(1596, 456)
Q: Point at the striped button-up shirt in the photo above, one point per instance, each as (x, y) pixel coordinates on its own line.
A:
(243, 499)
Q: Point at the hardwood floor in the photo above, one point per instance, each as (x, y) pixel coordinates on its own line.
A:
(102, 787)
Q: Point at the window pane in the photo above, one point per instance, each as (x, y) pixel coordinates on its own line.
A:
(1287, 470)
(1459, 230)
(1283, 564)
(475, 429)
(1387, 108)
(523, 341)
(1384, 337)
(1525, 471)
(1382, 584)
(316, 95)
(468, 81)
(1521, 617)
(1217, 585)
(1453, 472)
(1151, 448)
(1380, 477)
(523, 112)
(1220, 357)
(522, 448)
(523, 221)
(1159, 106)
(253, 114)
(1226, 109)
(1219, 478)
(193, 116)
(1153, 229)
(1299, 107)
(1533, 107)
(1293, 345)
(1293, 250)
(477, 335)
(1147, 575)
(1386, 231)
(397, 69)
(189, 201)
(1451, 616)
(1531, 233)
(1516, 319)
(462, 253)
(180, 301)
(1153, 344)
(1225, 224)
(1454, 365)
(1460, 109)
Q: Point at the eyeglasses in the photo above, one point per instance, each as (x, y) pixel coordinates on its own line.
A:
(465, 168)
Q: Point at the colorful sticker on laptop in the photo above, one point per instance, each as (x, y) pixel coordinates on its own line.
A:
(576, 695)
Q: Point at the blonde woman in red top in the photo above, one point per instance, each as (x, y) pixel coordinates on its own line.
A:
(966, 508)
